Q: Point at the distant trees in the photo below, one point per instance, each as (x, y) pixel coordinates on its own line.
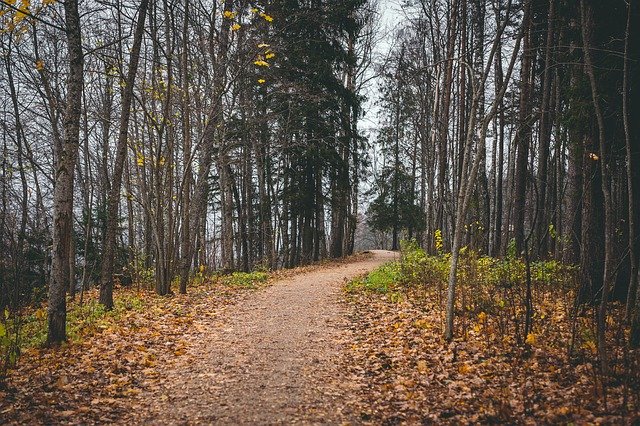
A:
(394, 208)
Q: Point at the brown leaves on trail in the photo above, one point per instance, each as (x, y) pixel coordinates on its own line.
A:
(119, 367)
(99, 380)
(406, 374)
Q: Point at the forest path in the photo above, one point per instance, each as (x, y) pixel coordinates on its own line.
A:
(270, 359)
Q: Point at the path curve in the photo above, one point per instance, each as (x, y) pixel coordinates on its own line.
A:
(270, 359)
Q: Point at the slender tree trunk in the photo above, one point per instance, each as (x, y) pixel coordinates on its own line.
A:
(545, 138)
(633, 295)
(186, 252)
(63, 189)
(443, 116)
(212, 132)
(523, 136)
(109, 254)
(587, 23)
(468, 180)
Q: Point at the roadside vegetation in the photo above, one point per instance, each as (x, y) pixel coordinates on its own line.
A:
(493, 371)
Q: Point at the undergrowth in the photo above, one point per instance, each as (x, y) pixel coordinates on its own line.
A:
(245, 279)
(490, 315)
(27, 329)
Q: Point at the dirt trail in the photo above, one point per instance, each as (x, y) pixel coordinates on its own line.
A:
(270, 359)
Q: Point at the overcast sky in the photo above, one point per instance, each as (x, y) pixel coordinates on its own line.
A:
(390, 16)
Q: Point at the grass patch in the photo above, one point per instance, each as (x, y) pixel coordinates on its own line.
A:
(28, 329)
(245, 279)
(382, 280)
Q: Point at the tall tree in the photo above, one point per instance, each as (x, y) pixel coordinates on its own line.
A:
(108, 259)
(66, 156)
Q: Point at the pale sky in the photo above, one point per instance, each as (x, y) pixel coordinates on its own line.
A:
(390, 16)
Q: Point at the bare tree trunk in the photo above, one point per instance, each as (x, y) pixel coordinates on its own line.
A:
(498, 215)
(467, 182)
(545, 137)
(587, 23)
(442, 120)
(266, 227)
(63, 189)
(633, 295)
(185, 250)
(108, 256)
(523, 136)
(212, 130)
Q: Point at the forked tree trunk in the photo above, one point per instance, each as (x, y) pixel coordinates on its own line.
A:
(467, 182)
(109, 254)
(210, 135)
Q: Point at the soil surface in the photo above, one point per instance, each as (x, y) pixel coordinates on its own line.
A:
(272, 358)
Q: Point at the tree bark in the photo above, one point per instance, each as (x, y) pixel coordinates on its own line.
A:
(523, 136)
(587, 23)
(63, 189)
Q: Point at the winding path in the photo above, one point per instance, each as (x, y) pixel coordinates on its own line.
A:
(270, 359)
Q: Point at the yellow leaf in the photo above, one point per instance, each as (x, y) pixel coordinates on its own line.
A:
(261, 63)
(40, 314)
(39, 64)
(22, 12)
(590, 345)
(422, 323)
(229, 14)
(263, 45)
(464, 369)
(254, 10)
(270, 55)
(531, 339)
(236, 27)
(19, 17)
(261, 80)
(149, 362)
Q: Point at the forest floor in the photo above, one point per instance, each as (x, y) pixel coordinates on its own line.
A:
(303, 346)
(217, 355)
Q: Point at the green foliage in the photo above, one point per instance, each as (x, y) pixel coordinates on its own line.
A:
(381, 280)
(491, 292)
(418, 267)
(486, 285)
(245, 279)
(29, 330)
